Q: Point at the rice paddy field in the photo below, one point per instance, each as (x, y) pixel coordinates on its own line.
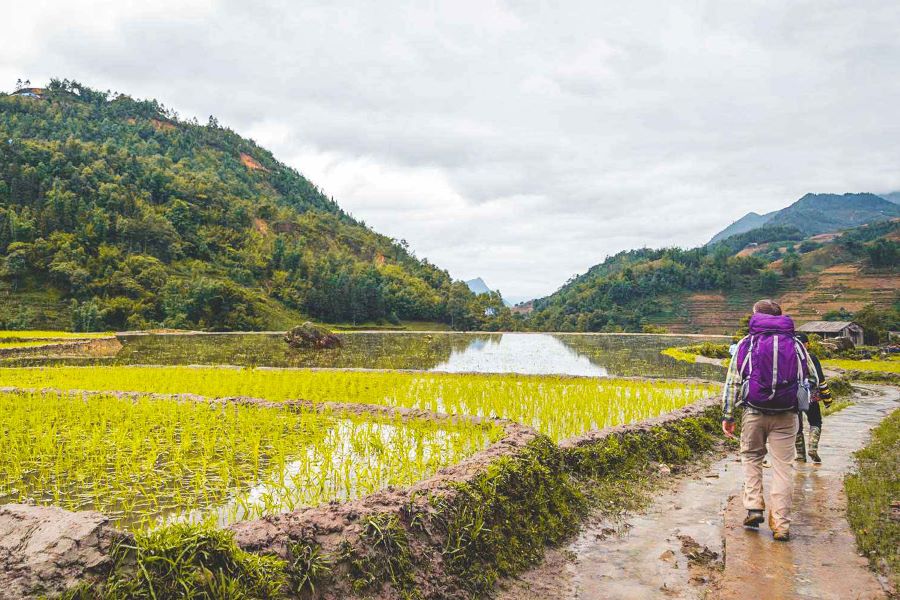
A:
(891, 365)
(535, 354)
(6, 343)
(12, 335)
(149, 460)
(558, 406)
(146, 461)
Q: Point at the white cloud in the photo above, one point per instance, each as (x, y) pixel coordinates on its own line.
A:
(516, 141)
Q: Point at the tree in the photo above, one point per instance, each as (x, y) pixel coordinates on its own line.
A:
(15, 265)
(790, 266)
(877, 322)
(883, 253)
(768, 281)
(86, 315)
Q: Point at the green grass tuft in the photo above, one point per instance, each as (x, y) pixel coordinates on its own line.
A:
(193, 562)
(498, 524)
(873, 489)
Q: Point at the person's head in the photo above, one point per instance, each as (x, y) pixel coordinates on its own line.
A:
(804, 339)
(767, 307)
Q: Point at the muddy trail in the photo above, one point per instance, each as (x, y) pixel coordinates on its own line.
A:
(676, 548)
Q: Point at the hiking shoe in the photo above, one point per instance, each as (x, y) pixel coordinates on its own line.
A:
(780, 535)
(814, 434)
(800, 447)
(753, 518)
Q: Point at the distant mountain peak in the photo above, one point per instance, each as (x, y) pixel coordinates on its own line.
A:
(813, 214)
(478, 286)
(892, 197)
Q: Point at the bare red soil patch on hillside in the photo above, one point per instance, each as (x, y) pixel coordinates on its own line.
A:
(251, 163)
(161, 125)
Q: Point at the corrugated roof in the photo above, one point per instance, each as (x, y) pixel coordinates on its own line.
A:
(824, 326)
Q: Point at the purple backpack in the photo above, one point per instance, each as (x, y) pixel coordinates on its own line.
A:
(773, 365)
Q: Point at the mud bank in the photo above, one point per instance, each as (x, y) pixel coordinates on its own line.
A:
(106, 346)
(452, 535)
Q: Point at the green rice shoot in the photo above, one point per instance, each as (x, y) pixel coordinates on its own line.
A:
(558, 406)
(149, 461)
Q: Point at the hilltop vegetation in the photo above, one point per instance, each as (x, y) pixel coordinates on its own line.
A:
(818, 213)
(645, 288)
(116, 214)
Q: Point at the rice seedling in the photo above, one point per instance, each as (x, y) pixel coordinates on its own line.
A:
(558, 406)
(149, 461)
(680, 354)
(10, 344)
(49, 335)
(890, 365)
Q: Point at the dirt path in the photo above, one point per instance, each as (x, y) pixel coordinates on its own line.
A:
(676, 548)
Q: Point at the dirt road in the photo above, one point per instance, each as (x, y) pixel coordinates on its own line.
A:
(676, 548)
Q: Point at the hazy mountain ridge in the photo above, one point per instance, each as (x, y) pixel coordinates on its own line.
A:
(819, 213)
(891, 197)
(746, 223)
(478, 287)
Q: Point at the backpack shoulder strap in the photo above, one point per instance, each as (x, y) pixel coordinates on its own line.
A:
(747, 362)
(803, 359)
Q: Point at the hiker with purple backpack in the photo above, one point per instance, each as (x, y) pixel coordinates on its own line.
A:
(770, 375)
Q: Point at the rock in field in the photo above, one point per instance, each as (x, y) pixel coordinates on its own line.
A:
(309, 335)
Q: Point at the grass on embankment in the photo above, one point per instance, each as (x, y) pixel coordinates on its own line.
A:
(692, 353)
(7, 345)
(872, 371)
(25, 335)
(559, 407)
(873, 490)
(891, 365)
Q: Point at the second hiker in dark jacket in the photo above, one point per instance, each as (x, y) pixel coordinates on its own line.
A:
(814, 415)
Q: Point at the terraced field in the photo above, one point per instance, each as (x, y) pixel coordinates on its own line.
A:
(147, 461)
(558, 406)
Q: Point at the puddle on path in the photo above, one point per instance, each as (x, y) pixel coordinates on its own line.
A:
(648, 556)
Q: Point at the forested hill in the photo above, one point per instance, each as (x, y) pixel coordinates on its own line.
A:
(818, 213)
(709, 288)
(115, 214)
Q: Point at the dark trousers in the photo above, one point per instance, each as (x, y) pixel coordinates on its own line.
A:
(813, 415)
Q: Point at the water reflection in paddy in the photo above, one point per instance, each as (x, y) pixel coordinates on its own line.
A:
(529, 353)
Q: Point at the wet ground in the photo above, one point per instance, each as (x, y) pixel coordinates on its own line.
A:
(677, 547)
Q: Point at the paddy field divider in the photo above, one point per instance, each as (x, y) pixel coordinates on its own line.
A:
(451, 535)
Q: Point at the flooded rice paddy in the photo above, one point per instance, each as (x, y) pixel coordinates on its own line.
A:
(593, 355)
(148, 460)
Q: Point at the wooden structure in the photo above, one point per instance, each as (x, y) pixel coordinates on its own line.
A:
(835, 329)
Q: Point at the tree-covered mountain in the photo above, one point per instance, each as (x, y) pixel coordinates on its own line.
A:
(748, 222)
(892, 197)
(707, 289)
(818, 213)
(114, 214)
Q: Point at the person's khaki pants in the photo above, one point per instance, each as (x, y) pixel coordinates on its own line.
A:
(779, 431)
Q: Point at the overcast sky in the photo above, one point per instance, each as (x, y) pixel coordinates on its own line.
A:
(515, 141)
